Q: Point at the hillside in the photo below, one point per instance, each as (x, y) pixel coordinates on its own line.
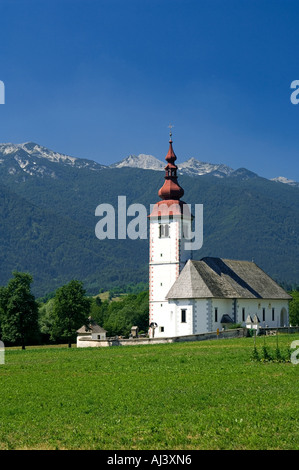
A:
(56, 248)
(48, 220)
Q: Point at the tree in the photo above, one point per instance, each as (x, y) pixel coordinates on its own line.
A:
(45, 319)
(71, 310)
(294, 308)
(3, 304)
(123, 314)
(18, 310)
(99, 311)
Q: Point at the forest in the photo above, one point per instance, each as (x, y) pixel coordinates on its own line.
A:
(48, 225)
(25, 320)
(55, 319)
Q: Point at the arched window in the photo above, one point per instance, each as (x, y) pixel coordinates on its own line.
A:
(163, 231)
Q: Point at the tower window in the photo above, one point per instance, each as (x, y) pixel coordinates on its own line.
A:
(273, 314)
(183, 315)
(163, 231)
(216, 314)
(264, 314)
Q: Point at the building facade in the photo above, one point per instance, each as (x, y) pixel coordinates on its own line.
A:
(189, 297)
(170, 225)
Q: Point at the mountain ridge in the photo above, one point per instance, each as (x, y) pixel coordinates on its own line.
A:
(48, 222)
(26, 154)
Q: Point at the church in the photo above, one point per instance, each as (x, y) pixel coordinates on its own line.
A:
(188, 297)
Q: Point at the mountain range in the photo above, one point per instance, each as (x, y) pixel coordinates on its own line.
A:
(47, 213)
(32, 159)
(192, 167)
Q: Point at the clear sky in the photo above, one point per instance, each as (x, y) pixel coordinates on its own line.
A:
(102, 79)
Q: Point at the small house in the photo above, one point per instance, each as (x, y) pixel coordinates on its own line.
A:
(91, 331)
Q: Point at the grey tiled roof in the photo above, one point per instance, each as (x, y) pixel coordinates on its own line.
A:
(225, 279)
(92, 327)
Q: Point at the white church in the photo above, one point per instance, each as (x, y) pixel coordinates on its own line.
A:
(188, 297)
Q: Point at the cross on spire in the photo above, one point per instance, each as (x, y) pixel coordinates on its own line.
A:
(170, 132)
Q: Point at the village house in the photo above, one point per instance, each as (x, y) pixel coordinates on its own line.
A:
(91, 331)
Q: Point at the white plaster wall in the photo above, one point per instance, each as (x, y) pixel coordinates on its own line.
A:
(164, 316)
(79, 337)
(255, 307)
(171, 248)
(201, 315)
(197, 316)
(182, 328)
(168, 247)
(167, 258)
(225, 307)
(162, 277)
(92, 343)
(100, 336)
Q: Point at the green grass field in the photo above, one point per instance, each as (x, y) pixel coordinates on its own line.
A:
(200, 395)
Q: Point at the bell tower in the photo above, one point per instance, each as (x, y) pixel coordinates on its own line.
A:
(170, 224)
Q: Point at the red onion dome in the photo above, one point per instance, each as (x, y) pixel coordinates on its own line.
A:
(171, 188)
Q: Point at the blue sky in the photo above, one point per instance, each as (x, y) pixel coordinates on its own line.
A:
(102, 79)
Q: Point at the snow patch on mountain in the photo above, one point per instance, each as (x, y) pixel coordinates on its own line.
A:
(35, 159)
(282, 179)
(191, 167)
(194, 167)
(38, 151)
(143, 161)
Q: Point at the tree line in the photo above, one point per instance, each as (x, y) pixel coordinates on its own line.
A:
(24, 320)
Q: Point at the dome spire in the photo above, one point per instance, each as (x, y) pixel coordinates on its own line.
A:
(171, 188)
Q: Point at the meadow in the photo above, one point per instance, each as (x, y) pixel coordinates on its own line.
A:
(183, 396)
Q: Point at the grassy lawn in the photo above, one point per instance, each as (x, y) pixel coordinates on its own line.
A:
(200, 395)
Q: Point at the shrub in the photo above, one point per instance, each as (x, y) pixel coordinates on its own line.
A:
(266, 356)
(255, 355)
(234, 326)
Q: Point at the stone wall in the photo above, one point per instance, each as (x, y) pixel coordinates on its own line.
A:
(89, 343)
(280, 329)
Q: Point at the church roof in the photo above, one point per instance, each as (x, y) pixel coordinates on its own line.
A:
(91, 327)
(225, 279)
